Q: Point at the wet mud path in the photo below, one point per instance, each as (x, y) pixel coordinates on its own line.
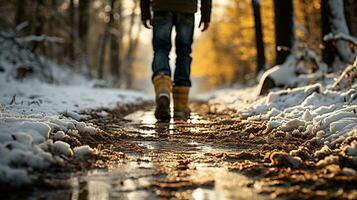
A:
(178, 159)
(209, 156)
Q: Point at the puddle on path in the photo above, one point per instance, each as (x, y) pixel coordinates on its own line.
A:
(143, 125)
(175, 163)
(133, 181)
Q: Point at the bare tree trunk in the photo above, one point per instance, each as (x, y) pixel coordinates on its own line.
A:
(284, 29)
(351, 16)
(115, 40)
(106, 35)
(72, 38)
(83, 28)
(102, 53)
(133, 43)
(306, 4)
(328, 50)
(258, 36)
(51, 30)
(20, 16)
(129, 59)
(40, 22)
(334, 22)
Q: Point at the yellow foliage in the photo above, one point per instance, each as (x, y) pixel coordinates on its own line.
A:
(226, 54)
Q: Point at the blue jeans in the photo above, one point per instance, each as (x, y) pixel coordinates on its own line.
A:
(163, 23)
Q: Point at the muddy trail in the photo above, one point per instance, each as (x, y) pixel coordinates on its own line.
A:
(209, 156)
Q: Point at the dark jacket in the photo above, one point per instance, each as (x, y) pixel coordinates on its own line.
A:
(186, 6)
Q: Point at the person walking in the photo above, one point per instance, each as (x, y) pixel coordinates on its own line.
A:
(168, 14)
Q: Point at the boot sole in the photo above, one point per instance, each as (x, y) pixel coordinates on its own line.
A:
(162, 111)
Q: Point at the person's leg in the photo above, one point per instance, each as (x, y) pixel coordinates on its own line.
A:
(184, 24)
(162, 28)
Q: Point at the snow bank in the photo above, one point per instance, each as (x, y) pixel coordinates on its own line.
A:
(36, 97)
(319, 111)
(312, 110)
(36, 118)
(26, 144)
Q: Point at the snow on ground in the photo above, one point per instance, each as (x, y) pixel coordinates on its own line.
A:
(234, 99)
(330, 116)
(36, 97)
(35, 117)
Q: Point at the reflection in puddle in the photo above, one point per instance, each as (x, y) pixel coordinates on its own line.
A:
(228, 185)
(191, 147)
(196, 119)
(147, 118)
(201, 147)
(134, 179)
(119, 185)
(144, 124)
(130, 181)
(147, 144)
(142, 117)
(205, 194)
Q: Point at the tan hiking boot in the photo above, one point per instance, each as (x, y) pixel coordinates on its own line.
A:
(163, 87)
(181, 109)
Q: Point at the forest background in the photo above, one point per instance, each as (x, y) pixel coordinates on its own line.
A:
(104, 39)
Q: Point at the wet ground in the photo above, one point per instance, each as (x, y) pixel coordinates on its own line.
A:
(176, 159)
(209, 156)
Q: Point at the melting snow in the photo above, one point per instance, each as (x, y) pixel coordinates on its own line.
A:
(32, 112)
(330, 116)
